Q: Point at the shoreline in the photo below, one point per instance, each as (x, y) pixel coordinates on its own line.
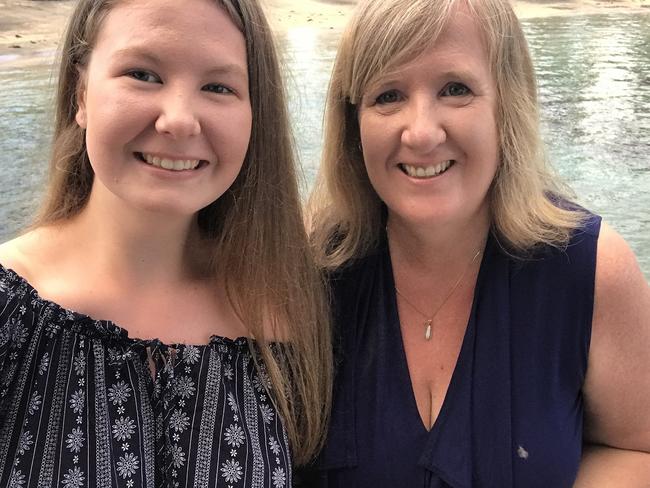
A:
(31, 30)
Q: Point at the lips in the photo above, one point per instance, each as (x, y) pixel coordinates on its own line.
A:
(171, 164)
(428, 171)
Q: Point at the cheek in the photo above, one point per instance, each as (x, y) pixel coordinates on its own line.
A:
(247, 127)
(103, 112)
(229, 132)
(375, 139)
(488, 154)
(238, 128)
(367, 132)
(491, 144)
(479, 132)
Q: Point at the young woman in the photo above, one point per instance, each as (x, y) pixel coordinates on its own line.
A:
(482, 316)
(162, 323)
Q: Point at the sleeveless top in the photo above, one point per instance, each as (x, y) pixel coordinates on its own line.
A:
(513, 412)
(79, 406)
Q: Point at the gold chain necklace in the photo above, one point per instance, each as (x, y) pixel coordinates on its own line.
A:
(429, 319)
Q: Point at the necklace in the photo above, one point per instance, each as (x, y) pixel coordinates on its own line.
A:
(428, 322)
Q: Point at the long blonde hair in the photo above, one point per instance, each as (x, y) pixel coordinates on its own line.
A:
(255, 229)
(382, 36)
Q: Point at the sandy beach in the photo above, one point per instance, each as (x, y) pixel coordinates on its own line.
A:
(287, 14)
(30, 30)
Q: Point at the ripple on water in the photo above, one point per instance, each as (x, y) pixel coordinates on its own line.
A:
(595, 97)
(25, 128)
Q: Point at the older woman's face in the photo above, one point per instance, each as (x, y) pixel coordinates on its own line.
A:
(429, 134)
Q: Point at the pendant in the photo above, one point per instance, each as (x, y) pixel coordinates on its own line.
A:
(427, 330)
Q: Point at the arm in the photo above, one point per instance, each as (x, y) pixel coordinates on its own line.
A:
(617, 386)
(607, 467)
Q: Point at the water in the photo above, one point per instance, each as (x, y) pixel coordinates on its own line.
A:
(594, 85)
(26, 99)
(594, 81)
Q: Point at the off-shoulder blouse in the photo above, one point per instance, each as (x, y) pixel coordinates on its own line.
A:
(84, 405)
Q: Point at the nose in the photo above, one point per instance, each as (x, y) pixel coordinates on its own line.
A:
(423, 128)
(178, 117)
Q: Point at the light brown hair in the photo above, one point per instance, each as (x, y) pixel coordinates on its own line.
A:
(382, 36)
(255, 229)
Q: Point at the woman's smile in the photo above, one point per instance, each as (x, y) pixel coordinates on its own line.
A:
(171, 163)
(426, 171)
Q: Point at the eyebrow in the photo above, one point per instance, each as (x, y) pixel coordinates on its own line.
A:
(460, 74)
(229, 68)
(220, 69)
(136, 52)
(394, 78)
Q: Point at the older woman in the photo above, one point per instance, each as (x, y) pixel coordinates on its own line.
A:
(483, 318)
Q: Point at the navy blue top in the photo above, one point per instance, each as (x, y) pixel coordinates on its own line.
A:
(513, 412)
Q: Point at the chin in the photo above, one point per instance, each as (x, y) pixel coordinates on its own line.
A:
(165, 210)
(418, 220)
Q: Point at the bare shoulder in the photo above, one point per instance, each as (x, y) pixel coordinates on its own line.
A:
(13, 255)
(622, 291)
(26, 253)
(617, 387)
(614, 253)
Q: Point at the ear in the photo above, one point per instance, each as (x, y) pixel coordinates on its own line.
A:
(80, 95)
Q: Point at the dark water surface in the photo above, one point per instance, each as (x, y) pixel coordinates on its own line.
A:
(594, 81)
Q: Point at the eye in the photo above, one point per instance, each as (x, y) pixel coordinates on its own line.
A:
(217, 88)
(142, 75)
(390, 96)
(455, 89)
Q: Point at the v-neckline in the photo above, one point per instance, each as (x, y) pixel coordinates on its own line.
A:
(394, 321)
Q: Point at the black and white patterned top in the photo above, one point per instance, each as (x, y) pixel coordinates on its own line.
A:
(79, 406)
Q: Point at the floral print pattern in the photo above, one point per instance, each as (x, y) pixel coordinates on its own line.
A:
(79, 406)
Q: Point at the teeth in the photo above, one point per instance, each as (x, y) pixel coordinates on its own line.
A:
(171, 164)
(426, 171)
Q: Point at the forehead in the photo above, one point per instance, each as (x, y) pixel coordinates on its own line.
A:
(458, 48)
(461, 34)
(460, 44)
(171, 25)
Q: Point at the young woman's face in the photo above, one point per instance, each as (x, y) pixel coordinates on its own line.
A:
(165, 103)
(429, 134)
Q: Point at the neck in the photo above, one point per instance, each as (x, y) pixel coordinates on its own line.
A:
(135, 245)
(437, 250)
